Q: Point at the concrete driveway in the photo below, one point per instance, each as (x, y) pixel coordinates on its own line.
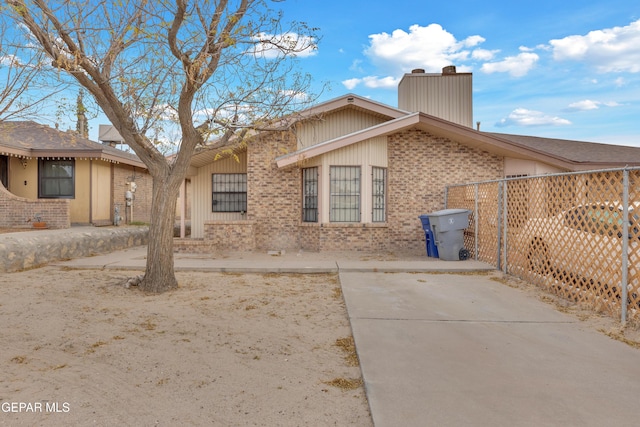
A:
(463, 350)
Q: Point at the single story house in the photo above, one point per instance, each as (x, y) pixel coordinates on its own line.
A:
(355, 174)
(67, 179)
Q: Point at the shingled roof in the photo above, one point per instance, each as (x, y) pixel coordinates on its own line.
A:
(32, 140)
(591, 153)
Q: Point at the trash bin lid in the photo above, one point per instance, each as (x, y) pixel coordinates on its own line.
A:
(444, 212)
(449, 219)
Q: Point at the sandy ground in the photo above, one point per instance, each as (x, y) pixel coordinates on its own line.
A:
(223, 350)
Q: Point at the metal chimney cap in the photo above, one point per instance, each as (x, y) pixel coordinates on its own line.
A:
(449, 69)
(417, 71)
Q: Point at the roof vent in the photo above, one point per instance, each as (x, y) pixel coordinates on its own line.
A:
(449, 69)
(417, 71)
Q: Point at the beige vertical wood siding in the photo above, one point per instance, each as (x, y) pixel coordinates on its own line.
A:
(100, 191)
(201, 200)
(79, 206)
(449, 97)
(330, 126)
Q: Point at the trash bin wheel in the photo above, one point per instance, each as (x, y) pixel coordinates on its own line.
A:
(463, 254)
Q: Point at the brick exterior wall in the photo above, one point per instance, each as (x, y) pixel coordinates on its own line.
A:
(354, 237)
(273, 195)
(420, 167)
(194, 246)
(142, 204)
(18, 212)
(231, 235)
(309, 236)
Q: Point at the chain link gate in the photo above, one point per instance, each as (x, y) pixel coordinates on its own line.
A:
(566, 233)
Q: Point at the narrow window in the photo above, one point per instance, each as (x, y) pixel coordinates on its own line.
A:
(229, 192)
(379, 189)
(310, 195)
(56, 179)
(344, 205)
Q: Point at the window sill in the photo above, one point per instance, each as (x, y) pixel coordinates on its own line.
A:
(345, 224)
(229, 221)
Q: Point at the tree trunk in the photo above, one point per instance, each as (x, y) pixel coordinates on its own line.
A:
(159, 275)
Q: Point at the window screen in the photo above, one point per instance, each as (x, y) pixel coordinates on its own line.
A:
(310, 195)
(379, 194)
(344, 194)
(229, 192)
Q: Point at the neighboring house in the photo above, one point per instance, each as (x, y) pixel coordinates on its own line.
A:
(355, 174)
(67, 179)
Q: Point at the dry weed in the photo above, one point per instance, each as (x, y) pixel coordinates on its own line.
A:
(345, 383)
(348, 346)
(19, 359)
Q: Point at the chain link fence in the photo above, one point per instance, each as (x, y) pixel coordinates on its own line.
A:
(576, 234)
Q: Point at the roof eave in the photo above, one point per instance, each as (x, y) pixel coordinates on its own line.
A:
(14, 152)
(494, 144)
(438, 127)
(382, 129)
(349, 100)
(86, 154)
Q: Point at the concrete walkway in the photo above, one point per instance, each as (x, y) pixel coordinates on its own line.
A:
(293, 262)
(463, 350)
(441, 349)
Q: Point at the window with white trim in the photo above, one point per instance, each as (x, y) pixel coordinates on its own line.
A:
(344, 190)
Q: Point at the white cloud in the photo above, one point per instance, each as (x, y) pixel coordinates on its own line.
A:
(372, 82)
(614, 49)
(516, 66)
(483, 54)
(271, 46)
(584, 105)
(355, 65)
(588, 104)
(430, 47)
(10, 60)
(524, 117)
(351, 83)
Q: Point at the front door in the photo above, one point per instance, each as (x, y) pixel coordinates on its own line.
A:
(4, 171)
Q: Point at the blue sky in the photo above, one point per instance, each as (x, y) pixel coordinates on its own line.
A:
(565, 69)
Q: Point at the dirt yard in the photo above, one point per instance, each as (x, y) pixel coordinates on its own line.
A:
(223, 349)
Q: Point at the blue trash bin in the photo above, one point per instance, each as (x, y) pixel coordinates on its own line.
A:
(430, 243)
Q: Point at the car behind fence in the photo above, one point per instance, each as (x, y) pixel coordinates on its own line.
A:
(575, 234)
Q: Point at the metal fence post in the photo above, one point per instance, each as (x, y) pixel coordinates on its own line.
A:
(476, 215)
(499, 225)
(625, 244)
(505, 215)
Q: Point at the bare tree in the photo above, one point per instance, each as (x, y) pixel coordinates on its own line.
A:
(216, 67)
(20, 73)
